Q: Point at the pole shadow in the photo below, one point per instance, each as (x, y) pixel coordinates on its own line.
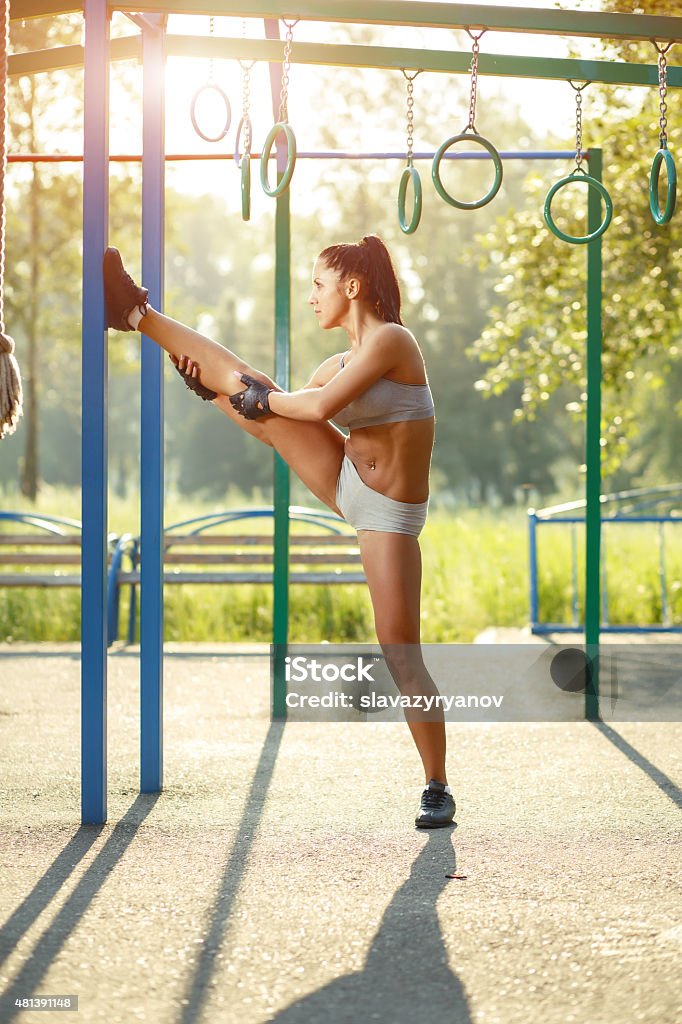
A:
(60, 929)
(663, 781)
(198, 991)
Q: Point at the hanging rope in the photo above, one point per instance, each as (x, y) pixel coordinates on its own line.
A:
(10, 380)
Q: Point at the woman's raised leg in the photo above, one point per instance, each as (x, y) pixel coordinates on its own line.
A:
(216, 363)
(314, 451)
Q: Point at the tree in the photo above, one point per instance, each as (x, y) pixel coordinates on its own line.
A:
(536, 334)
(46, 226)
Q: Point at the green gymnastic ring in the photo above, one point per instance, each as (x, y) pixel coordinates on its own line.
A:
(281, 126)
(246, 186)
(228, 112)
(591, 183)
(410, 174)
(663, 154)
(435, 170)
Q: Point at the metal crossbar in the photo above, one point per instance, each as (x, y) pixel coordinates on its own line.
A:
(409, 13)
(336, 55)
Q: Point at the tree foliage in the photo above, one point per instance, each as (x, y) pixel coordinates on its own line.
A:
(536, 331)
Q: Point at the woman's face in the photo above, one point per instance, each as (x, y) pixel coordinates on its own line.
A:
(328, 297)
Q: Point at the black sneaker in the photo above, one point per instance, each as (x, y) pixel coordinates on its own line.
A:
(437, 808)
(121, 294)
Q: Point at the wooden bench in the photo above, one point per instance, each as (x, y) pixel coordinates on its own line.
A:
(195, 554)
(330, 555)
(54, 542)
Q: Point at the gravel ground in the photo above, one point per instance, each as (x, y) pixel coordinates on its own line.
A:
(279, 876)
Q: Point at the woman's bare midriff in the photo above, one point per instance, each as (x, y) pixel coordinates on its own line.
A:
(394, 458)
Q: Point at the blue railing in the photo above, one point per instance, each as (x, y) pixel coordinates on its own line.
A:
(632, 506)
(52, 524)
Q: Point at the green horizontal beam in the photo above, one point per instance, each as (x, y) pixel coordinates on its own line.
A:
(24, 10)
(445, 61)
(410, 13)
(59, 58)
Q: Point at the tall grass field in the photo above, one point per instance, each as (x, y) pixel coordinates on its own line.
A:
(475, 575)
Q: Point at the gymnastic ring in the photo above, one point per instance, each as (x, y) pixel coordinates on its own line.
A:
(591, 183)
(435, 170)
(282, 185)
(246, 186)
(238, 139)
(663, 154)
(228, 112)
(410, 174)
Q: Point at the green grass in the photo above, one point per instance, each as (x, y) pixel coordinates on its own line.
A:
(475, 575)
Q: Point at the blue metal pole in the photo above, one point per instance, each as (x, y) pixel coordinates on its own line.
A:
(574, 574)
(665, 618)
(533, 567)
(94, 419)
(151, 465)
(604, 578)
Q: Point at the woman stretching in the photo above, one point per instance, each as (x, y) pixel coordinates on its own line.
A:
(377, 478)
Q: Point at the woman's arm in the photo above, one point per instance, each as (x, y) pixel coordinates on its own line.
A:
(366, 367)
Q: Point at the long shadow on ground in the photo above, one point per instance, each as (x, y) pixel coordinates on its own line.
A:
(406, 976)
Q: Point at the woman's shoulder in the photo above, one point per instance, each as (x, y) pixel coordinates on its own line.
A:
(400, 339)
(409, 362)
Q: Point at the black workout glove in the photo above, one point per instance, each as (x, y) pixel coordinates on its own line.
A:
(252, 403)
(195, 385)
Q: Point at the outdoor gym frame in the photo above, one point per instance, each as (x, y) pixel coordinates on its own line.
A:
(151, 47)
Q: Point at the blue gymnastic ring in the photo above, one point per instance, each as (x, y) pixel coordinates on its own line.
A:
(410, 174)
(663, 154)
(283, 184)
(228, 112)
(591, 182)
(467, 136)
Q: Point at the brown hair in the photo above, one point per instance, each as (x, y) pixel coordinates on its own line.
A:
(371, 261)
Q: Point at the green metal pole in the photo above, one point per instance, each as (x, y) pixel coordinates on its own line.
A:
(592, 439)
(280, 615)
(280, 625)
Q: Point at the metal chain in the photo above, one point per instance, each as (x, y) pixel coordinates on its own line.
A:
(211, 22)
(474, 80)
(246, 102)
(578, 123)
(663, 90)
(410, 113)
(284, 94)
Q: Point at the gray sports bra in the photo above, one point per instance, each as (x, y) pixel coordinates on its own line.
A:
(386, 401)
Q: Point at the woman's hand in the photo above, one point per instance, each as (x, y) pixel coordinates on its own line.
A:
(189, 372)
(252, 403)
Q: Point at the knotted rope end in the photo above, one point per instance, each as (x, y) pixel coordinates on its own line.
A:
(11, 396)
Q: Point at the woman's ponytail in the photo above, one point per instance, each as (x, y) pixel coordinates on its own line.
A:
(383, 282)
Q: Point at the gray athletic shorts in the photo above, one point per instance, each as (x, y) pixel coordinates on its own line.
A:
(367, 509)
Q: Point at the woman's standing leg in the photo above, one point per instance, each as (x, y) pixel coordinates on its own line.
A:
(393, 567)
